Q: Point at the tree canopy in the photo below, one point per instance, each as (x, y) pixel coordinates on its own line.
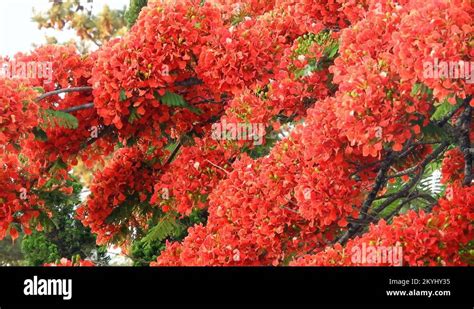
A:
(260, 132)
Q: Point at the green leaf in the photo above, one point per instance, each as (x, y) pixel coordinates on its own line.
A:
(40, 135)
(59, 164)
(442, 110)
(134, 10)
(332, 50)
(123, 95)
(120, 214)
(172, 99)
(415, 89)
(433, 132)
(420, 89)
(133, 115)
(168, 226)
(54, 118)
(39, 89)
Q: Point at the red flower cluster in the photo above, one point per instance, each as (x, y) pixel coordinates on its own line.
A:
(156, 57)
(375, 109)
(252, 220)
(69, 69)
(439, 238)
(241, 55)
(18, 111)
(17, 204)
(126, 181)
(452, 168)
(433, 34)
(191, 177)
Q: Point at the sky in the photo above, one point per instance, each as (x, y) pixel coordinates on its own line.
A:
(18, 32)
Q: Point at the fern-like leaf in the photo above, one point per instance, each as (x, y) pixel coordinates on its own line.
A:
(168, 226)
(52, 118)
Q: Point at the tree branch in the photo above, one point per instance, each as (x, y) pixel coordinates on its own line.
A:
(193, 81)
(406, 188)
(65, 90)
(78, 108)
(450, 115)
(465, 143)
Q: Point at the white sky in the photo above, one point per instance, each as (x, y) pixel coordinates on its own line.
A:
(18, 32)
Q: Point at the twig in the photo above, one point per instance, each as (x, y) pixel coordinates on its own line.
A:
(217, 166)
(65, 90)
(465, 143)
(406, 188)
(78, 108)
(174, 153)
(189, 82)
(442, 122)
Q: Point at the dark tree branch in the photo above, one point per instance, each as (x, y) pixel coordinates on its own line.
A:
(465, 143)
(105, 131)
(404, 191)
(356, 228)
(189, 82)
(404, 172)
(184, 83)
(65, 90)
(380, 181)
(78, 108)
(450, 115)
(174, 153)
(402, 204)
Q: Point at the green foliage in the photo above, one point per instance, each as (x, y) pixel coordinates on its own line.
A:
(143, 253)
(38, 249)
(168, 226)
(73, 14)
(444, 109)
(122, 95)
(63, 235)
(133, 115)
(10, 252)
(52, 118)
(432, 132)
(148, 247)
(172, 99)
(40, 134)
(305, 42)
(134, 10)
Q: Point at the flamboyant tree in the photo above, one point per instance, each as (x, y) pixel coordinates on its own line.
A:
(351, 100)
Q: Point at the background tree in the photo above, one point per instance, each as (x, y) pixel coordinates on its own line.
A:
(134, 10)
(10, 252)
(63, 235)
(77, 15)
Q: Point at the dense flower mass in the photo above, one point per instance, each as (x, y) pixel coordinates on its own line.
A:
(259, 132)
(426, 239)
(125, 182)
(18, 111)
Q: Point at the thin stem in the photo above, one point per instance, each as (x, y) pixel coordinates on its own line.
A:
(78, 108)
(65, 90)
